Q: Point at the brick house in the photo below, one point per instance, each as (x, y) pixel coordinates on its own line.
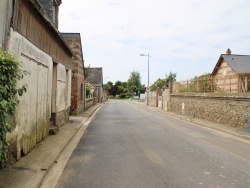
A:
(78, 73)
(231, 73)
(33, 38)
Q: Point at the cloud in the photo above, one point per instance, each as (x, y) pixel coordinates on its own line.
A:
(182, 36)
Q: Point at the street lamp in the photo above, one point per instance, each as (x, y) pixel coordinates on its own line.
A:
(148, 75)
(105, 79)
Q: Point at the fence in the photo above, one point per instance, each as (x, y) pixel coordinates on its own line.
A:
(233, 83)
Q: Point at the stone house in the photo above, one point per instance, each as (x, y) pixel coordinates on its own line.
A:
(78, 73)
(231, 73)
(94, 76)
(32, 37)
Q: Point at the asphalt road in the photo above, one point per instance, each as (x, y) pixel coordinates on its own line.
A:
(128, 145)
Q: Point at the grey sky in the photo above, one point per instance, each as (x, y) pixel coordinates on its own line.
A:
(183, 36)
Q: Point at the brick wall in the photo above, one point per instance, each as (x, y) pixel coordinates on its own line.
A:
(78, 85)
(225, 79)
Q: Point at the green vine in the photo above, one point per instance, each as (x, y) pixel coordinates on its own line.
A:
(10, 73)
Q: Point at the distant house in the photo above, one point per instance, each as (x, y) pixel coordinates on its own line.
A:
(33, 38)
(231, 73)
(78, 73)
(94, 76)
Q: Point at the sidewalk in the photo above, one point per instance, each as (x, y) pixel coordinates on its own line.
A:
(235, 131)
(31, 169)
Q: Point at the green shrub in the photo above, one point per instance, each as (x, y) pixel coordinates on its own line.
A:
(128, 95)
(10, 73)
(122, 95)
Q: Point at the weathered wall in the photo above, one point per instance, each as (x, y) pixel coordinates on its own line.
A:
(78, 80)
(225, 108)
(225, 80)
(6, 10)
(61, 87)
(34, 111)
(31, 22)
(231, 109)
(151, 98)
(90, 102)
(3, 12)
(166, 99)
(60, 109)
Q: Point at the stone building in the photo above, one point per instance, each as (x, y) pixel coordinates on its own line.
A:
(231, 73)
(78, 73)
(33, 38)
(95, 77)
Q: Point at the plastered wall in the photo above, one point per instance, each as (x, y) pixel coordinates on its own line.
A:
(34, 110)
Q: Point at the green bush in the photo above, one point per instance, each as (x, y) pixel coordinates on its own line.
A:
(10, 73)
(128, 95)
(122, 95)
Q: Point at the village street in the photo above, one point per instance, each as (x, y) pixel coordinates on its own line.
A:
(130, 145)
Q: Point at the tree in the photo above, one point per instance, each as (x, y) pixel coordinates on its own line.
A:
(170, 78)
(163, 82)
(159, 83)
(142, 88)
(202, 83)
(118, 83)
(121, 88)
(106, 86)
(110, 83)
(134, 82)
(113, 90)
(125, 85)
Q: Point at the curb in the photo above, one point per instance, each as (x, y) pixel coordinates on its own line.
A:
(197, 122)
(70, 139)
(242, 136)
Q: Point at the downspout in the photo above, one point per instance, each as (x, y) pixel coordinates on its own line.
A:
(84, 85)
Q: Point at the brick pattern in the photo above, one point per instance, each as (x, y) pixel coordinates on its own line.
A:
(225, 79)
(77, 87)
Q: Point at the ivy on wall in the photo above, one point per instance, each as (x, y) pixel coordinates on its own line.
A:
(10, 73)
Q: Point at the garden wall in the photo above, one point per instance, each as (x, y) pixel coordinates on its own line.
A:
(231, 109)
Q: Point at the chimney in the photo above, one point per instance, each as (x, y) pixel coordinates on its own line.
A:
(51, 7)
(228, 52)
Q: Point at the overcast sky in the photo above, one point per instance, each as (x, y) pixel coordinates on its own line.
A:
(183, 36)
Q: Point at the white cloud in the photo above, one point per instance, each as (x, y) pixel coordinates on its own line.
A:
(183, 36)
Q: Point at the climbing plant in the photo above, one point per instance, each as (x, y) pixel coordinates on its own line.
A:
(10, 73)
